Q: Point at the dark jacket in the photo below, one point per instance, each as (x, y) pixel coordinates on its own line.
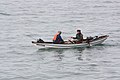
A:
(58, 39)
(79, 37)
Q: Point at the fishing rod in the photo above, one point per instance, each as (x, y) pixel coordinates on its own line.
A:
(31, 36)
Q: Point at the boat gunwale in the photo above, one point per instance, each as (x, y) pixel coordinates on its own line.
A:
(38, 43)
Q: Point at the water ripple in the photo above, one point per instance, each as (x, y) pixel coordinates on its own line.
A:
(22, 21)
(5, 14)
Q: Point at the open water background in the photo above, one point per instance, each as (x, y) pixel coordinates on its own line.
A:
(23, 20)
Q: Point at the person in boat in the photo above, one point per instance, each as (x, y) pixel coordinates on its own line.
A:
(78, 38)
(57, 38)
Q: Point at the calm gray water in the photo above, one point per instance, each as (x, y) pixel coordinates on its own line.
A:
(22, 21)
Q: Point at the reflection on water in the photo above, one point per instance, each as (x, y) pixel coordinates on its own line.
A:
(61, 53)
(79, 52)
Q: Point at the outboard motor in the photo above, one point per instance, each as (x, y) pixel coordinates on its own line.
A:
(95, 38)
(40, 41)
(92, 38)
(89, 38)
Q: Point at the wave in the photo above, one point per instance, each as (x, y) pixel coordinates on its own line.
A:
(6, 14)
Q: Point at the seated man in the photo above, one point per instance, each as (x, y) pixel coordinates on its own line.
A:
(58, 39)
(78, 38)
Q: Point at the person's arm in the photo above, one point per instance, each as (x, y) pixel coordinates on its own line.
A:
(75, 37)
(60, 38)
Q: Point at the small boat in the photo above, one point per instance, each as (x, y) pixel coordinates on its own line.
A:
(89, 41)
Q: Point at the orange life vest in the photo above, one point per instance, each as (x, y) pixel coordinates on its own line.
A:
(55, 37)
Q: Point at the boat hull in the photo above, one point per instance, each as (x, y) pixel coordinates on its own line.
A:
(84, 44)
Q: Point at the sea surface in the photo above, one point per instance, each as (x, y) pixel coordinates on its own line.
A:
(22, 21)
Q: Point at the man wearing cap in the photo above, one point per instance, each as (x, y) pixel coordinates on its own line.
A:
(78, 38)
(57, 38)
